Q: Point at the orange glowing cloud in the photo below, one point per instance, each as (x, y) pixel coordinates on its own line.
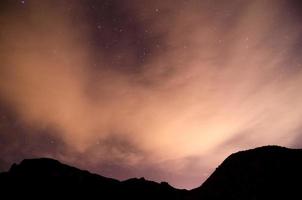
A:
(222, 80)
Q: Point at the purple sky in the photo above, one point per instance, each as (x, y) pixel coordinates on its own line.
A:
(160, 89)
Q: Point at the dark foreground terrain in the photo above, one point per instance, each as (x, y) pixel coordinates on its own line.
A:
(269, 172)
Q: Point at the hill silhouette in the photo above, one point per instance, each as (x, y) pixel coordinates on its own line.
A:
(34, 177)
(269, 172)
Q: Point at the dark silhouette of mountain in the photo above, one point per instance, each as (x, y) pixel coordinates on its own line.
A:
(47, 176)
(269, 172)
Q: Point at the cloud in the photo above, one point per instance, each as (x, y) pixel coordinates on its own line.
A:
(153, 86)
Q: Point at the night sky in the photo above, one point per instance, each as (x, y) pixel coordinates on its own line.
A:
(164, 89)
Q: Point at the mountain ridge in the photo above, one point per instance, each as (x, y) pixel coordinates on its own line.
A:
(260, 173)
